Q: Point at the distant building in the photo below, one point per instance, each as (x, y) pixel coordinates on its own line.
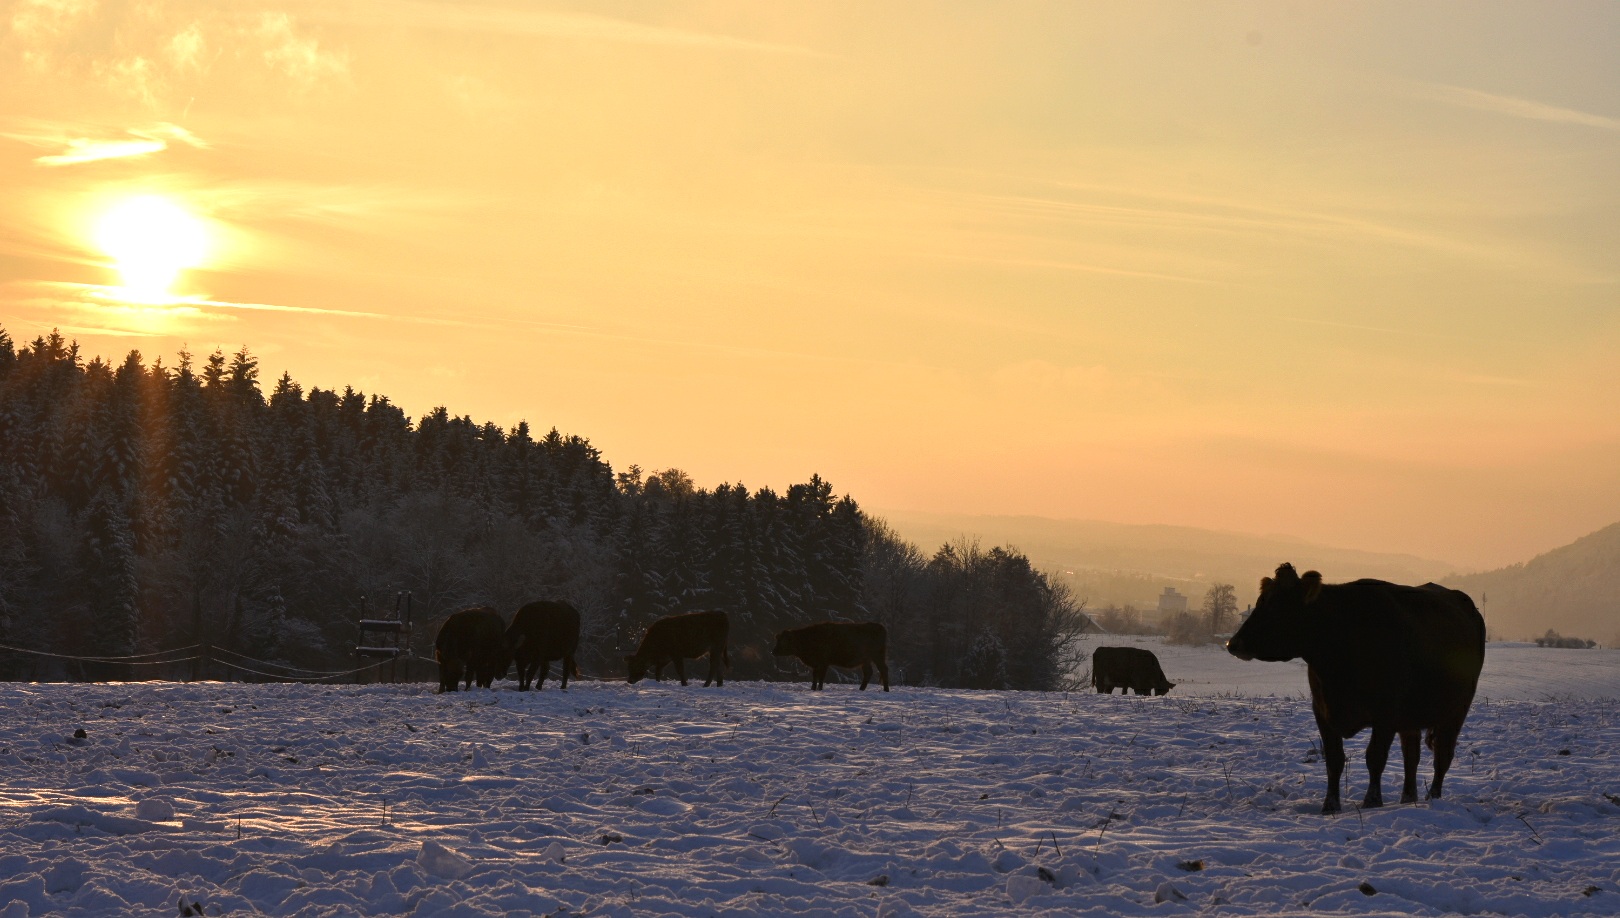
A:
(1171, 602)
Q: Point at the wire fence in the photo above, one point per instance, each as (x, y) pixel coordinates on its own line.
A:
(211, 656)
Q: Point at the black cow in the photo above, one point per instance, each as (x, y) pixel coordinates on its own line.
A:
(1129, 669)
(541, 632)
(846, 644)
(1398, 659)
(472, 645)
(674, 638)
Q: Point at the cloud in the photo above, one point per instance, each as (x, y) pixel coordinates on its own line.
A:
(42, 20)
(117, 300)
(1512, 106)
(1080, 267)
(1354, 326)
(101, 293)
(76, 147)
(536, 23)
(85, 150)
(351, 206)
(300, 57)
(87, 330)
(161, 53)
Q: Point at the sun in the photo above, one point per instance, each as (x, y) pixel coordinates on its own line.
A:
(151, 239)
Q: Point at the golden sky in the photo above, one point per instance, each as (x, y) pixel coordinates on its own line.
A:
(1349, 272)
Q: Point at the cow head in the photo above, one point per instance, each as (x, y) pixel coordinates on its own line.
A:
(635, 668)
(1278, 627)
(787, 644)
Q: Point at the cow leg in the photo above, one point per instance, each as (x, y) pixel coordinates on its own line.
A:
(540, 678)
(818, 678)
(1377, 757)
(714, 667)
(866, 674)
(1411, 753)
(717, 664)
(680, 669)
(1444, 744)
(883, 670)
(568, 667)
(1333, 757)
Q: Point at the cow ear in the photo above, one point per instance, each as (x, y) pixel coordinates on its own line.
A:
(1312, 582)
(1265, 584)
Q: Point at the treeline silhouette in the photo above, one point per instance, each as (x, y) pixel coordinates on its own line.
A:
(148, 507)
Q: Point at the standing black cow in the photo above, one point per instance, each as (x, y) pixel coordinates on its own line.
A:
(846, 644)
(471, 645)
(673, 638)
(541, 632)
(1129, 669)
(1398, 659)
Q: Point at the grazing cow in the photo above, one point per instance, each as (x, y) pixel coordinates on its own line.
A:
(472, 645)
(846, 644)
(541, 632)
(1129, 669)
(674, 638)
(1398, 659)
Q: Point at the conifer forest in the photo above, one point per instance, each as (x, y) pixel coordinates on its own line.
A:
(145, 507)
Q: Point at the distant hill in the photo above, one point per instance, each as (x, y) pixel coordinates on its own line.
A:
(1119, 563)
(1574, 590)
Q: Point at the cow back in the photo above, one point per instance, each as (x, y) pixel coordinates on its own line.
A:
(470, 633)
(690, 635)
(1399, 656)
(544, 630)
(845, 644)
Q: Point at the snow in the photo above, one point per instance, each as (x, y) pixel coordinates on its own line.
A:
(759, 798)
(1513, 671)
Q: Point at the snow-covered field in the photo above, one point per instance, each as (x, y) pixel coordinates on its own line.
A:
(1513, 671)
(765, 799)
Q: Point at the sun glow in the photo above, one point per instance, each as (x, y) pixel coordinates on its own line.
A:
(151, 240)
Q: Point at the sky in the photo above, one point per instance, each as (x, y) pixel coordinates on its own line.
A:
(1347, 272)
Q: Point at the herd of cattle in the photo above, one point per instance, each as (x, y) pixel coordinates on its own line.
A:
(477, 646)
(1401, 660)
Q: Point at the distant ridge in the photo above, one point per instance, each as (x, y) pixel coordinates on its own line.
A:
(1574, 590)
(1144, 558)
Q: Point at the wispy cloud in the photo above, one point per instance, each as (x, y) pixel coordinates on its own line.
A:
(87, 330)
(76, 146)
(1187, 212)
(1080, 267)
(115, 303)
(536, 23)
(1355, 326)
(1513, 106)
(70, 294)
(333, 205)
(301, 57)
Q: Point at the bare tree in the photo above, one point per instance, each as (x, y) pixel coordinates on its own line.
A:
(1220, 607)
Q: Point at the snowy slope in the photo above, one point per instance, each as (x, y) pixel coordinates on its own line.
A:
(761, 799)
